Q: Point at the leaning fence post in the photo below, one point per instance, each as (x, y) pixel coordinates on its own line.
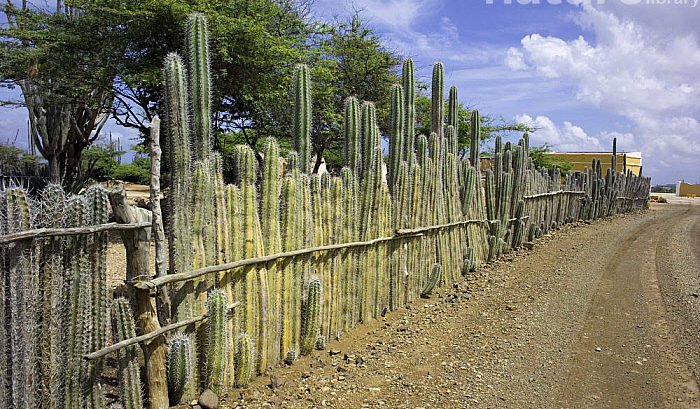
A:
(137, 244)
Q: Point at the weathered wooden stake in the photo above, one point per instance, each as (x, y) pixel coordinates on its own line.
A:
(163, 301)
(137, 244)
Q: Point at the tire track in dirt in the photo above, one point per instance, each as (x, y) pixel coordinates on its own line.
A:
(626, 355)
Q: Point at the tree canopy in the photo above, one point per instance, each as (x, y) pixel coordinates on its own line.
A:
(85, 60)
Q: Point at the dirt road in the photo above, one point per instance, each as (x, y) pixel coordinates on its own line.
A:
(596, 316)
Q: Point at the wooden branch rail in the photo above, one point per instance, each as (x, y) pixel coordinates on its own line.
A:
(189, 275)
(71, 231)
(404, 232)
(146, 338)
(558, 192)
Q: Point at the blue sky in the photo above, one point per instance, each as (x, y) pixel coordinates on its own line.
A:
(582, 74)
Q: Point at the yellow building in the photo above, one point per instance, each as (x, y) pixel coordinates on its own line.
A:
(583, 160)
(687, 189)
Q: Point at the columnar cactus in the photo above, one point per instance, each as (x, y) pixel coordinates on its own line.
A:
(351, 135)
(453, 119)
(311, 315)
(217, 340)
(301, 121)
(369, 135)
(78, 267)
(433, 280)
(474, 136)
(245, 361)
(438, 98)
(129, 380)
(179, 227)
(272, 236)
(198, 47)
(23, 288)
(409, 100)
(396, 134)
(96, 198)
(180, 363)
(256, 285)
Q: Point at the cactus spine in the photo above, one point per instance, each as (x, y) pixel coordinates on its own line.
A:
(180, 362)
(311, 316)
(301, 121)
(217, 340)
(432, 282)
(129, 381)
(351, 133)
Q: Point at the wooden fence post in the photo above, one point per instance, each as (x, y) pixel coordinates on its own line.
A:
(137, 244)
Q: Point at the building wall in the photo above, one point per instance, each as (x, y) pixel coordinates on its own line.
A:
(687, 189)
(582, 160)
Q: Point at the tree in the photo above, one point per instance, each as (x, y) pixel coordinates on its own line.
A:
(541, 157)
(254, 45)
(64, 60)
(348, 60)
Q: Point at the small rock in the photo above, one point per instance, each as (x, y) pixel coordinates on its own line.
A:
(333, 352)
(598, 349)
(208, 400)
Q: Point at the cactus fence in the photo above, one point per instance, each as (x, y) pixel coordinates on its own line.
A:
(265, 270)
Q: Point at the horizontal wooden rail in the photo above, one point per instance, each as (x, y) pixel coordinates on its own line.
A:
(403, 232)
(146, 338)
(70, 231)
(189, 275)
(558, 192)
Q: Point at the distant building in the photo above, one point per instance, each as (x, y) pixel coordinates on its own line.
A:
(687, 189)
(583, 160)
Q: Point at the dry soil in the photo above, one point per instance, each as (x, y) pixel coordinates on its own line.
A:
(605, 315)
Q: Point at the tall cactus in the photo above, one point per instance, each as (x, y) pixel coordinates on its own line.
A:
(396, 134)
(369, 134)
(409, 100)
(217, 340)
(198, 47)
(301, 120)
(256, 284)
(311, 316)
(351, 133)
(272, 238)
(453, 120)
(179, 226)
(129, 381)
(180, 363)
(78, 271)
(23, 288)
(438, 98)
(474, 136)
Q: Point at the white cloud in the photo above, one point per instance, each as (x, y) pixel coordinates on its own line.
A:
(631, 71)
(567, 137)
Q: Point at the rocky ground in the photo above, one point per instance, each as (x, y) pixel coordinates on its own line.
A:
(595, 316)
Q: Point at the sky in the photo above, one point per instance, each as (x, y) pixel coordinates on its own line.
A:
(581, 73)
